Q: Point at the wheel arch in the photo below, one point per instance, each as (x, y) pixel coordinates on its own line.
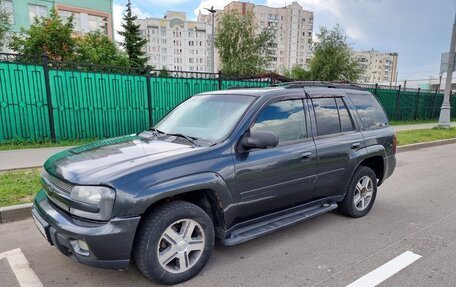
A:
(206, 190)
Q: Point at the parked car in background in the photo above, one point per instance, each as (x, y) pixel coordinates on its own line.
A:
(227, 165)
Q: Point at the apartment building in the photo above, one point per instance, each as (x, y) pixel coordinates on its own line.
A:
(292, 27)
(377, 66)
(89, 15)
(176, 43)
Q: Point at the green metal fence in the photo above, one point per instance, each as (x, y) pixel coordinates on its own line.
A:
(43, 100)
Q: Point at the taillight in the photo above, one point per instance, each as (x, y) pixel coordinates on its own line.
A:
(394, 142)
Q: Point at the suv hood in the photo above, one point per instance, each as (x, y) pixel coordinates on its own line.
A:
(99, 161)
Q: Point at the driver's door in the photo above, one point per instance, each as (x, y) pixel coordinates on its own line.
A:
(280, 177)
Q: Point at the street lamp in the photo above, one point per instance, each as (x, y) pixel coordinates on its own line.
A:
(212, 11)
(444, 119)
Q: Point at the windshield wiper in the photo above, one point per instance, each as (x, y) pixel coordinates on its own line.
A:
(190, 139)
(156, 132)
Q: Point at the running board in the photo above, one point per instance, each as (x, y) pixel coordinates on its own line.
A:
(272, 222)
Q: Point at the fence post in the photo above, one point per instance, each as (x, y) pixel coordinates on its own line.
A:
(48, 96)
(417, 104)
(220, 83)
(149, 96)
(398, 104)
(375, 90)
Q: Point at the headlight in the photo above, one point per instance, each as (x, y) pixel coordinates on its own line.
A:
(93, 202)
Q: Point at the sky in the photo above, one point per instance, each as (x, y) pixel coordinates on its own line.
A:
(419, 30)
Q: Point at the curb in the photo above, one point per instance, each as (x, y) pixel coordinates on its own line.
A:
(15, 212)
(412, 147)
(23, 211)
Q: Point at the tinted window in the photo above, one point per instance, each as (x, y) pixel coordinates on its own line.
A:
(326, 115)
(369, 110)
(346, 123)
(285, 118)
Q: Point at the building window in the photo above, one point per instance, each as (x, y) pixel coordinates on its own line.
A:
(7, 5)
(37, 11)
(98, 23)
(76, 19)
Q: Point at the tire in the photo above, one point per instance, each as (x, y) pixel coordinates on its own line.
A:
(163, 237)
(358, 206)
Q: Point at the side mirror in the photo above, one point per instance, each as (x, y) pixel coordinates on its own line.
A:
(259, 139)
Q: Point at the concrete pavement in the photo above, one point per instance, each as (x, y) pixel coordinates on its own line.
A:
(25, 158)
(414, 211)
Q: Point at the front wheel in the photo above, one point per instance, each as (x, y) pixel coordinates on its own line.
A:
(174, 242)
(361, 193)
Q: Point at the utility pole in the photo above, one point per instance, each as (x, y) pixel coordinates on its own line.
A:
(212, 11)
(444, 119)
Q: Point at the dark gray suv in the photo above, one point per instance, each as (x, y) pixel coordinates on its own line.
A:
(228, 165)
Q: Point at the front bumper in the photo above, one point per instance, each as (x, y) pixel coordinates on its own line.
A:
(109, 243)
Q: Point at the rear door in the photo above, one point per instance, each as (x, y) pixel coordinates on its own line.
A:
(338, 141)
(283, 176)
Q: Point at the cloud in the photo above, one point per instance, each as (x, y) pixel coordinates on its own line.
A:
(217, 4)
(118, 11)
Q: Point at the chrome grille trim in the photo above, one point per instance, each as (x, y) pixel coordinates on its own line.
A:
(57, 183)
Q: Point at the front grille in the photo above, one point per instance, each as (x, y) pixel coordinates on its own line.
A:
(57, 190)
(57, 183)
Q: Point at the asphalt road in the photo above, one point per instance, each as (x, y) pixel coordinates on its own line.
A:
(414, 211)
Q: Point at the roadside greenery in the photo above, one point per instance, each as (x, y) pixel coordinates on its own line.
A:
(242, 51)
(425, 135)
(332, 57)
(40, 144)
(5, 25)
(46, 35)
(20, 186)
(297, 73)
(133, 42)
(97, 48)
(402, 123)
(55, 37)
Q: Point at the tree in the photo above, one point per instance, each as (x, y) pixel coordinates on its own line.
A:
(5, 24)
(297, 73)
(46, 35)
(164, 73)
(332, 58)
(242, 50)
(133, 42)
(97, 48)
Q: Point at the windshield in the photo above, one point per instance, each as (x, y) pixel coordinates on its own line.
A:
(209, 117)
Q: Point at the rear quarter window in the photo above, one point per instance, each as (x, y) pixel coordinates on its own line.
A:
(369, 109)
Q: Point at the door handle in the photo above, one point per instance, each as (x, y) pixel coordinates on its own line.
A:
(355, 145)
(305, 155)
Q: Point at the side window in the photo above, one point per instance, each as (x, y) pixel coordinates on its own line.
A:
(369, 109)
(326, 115)
(285, 118)
(346, 123)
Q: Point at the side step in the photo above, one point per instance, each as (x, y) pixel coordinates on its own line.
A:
(272, 222)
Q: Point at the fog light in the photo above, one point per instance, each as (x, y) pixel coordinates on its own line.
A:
(83, 245)
(80, 247)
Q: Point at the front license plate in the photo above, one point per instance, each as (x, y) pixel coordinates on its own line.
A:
(40, 226)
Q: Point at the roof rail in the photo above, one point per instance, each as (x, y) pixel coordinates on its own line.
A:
(244, 87)
(303, 84)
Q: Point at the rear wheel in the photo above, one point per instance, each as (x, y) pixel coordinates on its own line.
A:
(174, 242)
(361, 193)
